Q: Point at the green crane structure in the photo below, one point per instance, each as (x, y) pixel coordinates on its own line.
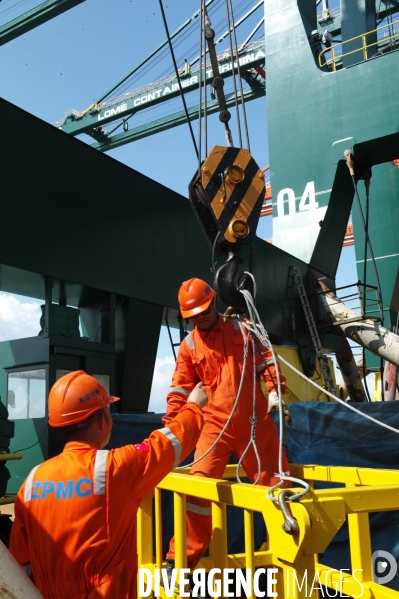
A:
(35, 17)
(123, 270)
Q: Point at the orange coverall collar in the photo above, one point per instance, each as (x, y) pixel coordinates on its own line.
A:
(218, 325)
(74, 445)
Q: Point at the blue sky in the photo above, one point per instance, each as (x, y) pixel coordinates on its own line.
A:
(73, 59)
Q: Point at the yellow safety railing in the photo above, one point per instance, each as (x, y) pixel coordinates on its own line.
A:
(320, 514)
(5, 457)
(330, 56)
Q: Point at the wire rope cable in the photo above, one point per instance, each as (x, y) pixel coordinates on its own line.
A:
(177, 75)
(205, 93)
(246, 344)
(201, 27)
(253, 421)
(359, 204)
(240, 79)
(233, 72)
(346, 404)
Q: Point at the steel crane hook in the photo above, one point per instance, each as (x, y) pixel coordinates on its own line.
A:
(224, 284)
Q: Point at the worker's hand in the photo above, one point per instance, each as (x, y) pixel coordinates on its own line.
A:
(272, 401)
(230, 310)
(273, 404)
(198, 396)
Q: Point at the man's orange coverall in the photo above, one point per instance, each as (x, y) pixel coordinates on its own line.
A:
(75, 514)
(216, 358)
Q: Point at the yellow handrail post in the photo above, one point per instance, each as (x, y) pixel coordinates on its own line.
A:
(5, 457)
(144, 533)
(219, 535)
(333, 58)
(364, 46)
(360, 544)
(249, 544)
(180, 530)
(320, 515)
(158, 528)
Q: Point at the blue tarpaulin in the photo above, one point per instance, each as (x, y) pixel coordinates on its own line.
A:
(323, 433)
(333, 435)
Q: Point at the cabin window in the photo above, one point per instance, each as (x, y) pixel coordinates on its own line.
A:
(104, 379)
(26, 394)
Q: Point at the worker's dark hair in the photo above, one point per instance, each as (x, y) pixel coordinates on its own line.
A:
(83, 424)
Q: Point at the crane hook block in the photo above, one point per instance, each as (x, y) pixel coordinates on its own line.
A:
(234, 188)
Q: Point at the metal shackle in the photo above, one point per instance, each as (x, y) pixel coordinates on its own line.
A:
(290, 525)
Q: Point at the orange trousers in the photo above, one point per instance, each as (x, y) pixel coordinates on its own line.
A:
(234, 440)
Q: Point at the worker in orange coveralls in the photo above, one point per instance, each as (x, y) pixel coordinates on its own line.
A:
(213, 353)
(75, 514)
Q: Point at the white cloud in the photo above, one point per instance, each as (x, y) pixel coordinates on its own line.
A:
(18, 319)
(160, 384)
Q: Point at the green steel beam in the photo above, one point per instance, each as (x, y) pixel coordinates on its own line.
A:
(174, 120)
(32, 18)
(158, 92)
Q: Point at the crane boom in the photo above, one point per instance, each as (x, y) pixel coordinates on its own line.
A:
(174, 120)
(32, 18)
(154, 93)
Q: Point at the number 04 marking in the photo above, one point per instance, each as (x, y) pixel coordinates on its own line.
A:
(287, 196)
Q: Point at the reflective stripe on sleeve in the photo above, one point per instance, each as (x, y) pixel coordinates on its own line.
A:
(100, 471)
(179, 390)
(197, 509)
(28, 484)
(175, 442)
(236, 324)
(190, 341)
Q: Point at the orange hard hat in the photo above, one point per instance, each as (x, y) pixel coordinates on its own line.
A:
(75, 397)
(195, 296)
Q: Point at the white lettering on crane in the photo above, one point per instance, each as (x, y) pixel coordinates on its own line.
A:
(151, 96)
(112, 112)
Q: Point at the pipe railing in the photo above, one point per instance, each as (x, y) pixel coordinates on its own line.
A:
(320, 514)
(336, 51)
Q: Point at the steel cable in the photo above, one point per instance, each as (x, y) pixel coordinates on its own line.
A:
(177, 75)
(200, 85)
(233, 73)
(240, 80)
